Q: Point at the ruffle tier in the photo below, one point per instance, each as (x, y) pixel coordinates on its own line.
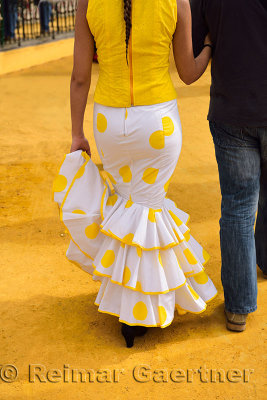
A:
(146, 259)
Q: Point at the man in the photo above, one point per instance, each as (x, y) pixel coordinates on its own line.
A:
(238, 123)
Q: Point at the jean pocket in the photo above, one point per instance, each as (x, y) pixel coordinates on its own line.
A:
(225, 135)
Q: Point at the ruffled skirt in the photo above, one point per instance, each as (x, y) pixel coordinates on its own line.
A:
(148, 262)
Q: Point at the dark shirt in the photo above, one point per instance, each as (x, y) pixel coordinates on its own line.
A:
(238, 29)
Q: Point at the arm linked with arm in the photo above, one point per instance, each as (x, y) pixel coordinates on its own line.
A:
(189, 68)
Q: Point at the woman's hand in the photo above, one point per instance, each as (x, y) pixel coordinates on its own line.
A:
(80, 143)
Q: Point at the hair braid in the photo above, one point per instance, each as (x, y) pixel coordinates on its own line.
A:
(127, 18)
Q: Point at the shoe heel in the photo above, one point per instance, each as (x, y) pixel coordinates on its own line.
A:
(128, 334)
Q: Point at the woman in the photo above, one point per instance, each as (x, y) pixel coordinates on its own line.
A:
(124, 230)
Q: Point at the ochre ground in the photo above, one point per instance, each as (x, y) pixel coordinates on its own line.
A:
(47, 311)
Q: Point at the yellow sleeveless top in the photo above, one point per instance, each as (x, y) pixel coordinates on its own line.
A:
(146, 80)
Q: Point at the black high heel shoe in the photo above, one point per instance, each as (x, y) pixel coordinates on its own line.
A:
(129, 332)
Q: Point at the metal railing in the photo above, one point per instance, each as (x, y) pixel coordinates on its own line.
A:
(26, 20)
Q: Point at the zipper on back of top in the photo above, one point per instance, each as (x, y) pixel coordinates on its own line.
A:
(131, 64)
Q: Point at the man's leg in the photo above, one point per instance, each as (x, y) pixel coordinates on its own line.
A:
(238, 158)
(261, 224)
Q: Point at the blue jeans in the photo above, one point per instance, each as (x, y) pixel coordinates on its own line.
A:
(45, 9)
(241, 154)
(13, 17)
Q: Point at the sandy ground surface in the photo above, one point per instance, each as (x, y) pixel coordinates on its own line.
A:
(47, 311)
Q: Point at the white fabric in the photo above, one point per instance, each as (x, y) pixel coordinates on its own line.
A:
(124, 230)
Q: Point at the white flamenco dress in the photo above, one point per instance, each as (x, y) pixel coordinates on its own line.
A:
(148, 263)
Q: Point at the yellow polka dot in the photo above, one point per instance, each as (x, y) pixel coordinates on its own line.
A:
(189, 256)
(128, 238)
(175, 218)
(102, 152)
(78, 212)
(129, 202)
(151, 215)
(180, 310)
(140, 311)
(126, 275)
(59, 183)
(150, 175)
(194, 294)
(108, 258)
(112, 199)
(92, 230)
(160, 259)
(162, 314)
(157, 140)
(176, 233)
(125, 173)
(206, 255)
(80, 172)
(168, 126)
(167, 184)
(139, 251)
(101, 122)
(138, 286)
(201, 277)
(126, 113)
(111, 178)
(122, 245)
(187, 235)
(85, 155)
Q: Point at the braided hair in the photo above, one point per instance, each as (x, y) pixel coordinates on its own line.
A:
(127, 18)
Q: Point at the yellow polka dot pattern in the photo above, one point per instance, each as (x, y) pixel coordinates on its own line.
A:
(125, 173)
(175, 218)
(60, 183)
(193, 292)
(201, 277)
(129, 202)
(92, 230)
(162, 314)
(150, 175)
(112, 199)
(78, 212)
(108, 258)
(187, 235)
(167, 184)
(128, 239)
(151, 215)
(157, 140)
(126, 113)
(80, 172)
(160, 259)
(190, 257)
(111, 178)
(138, 286)
(139, 251)
(140, 311)
(168, 126)
(126, 275)
(101, 123)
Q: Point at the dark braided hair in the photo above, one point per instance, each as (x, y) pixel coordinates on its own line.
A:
(127, 18)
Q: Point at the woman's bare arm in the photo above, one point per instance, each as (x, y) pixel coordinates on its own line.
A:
(81, 76)
(189, 68)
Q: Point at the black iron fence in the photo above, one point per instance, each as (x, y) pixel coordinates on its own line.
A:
(26, 20)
